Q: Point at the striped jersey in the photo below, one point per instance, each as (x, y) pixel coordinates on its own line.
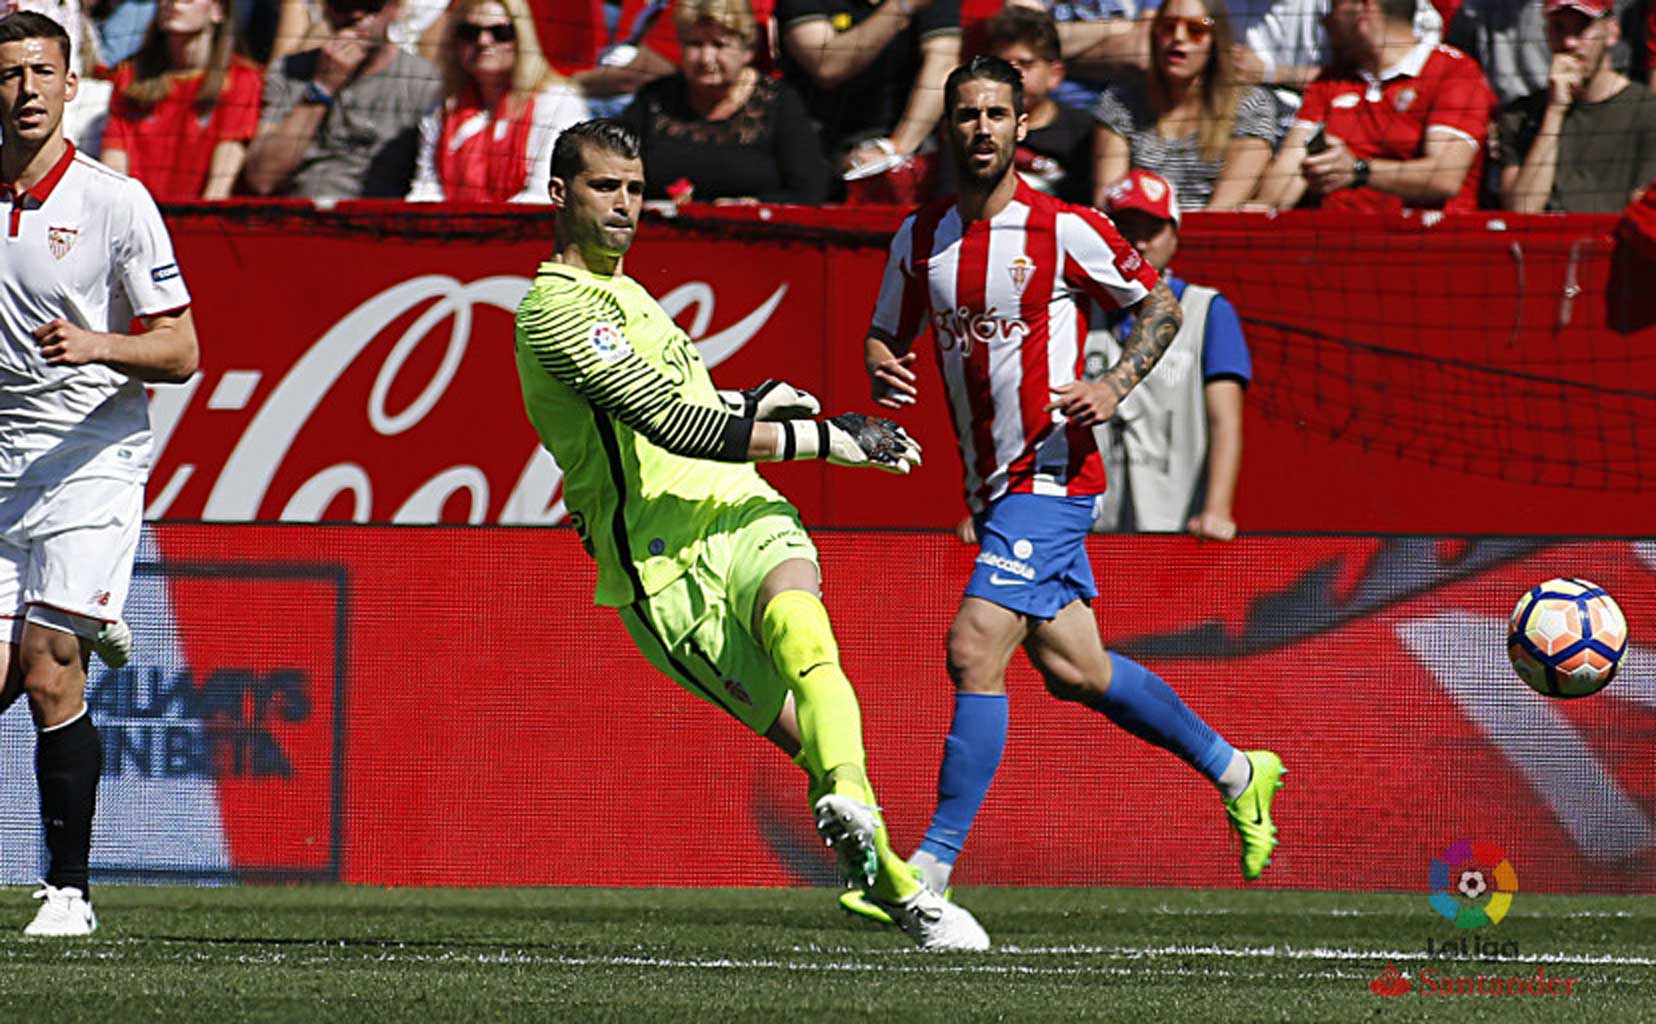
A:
(1007, 300)
(621, 398)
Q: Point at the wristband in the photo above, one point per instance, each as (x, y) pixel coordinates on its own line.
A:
(803, 439)
(1359, 173)
(315, 92)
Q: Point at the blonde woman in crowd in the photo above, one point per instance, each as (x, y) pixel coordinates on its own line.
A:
(490, 140)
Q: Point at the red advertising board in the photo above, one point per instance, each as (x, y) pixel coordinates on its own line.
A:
(1460, 375)
(477, 722)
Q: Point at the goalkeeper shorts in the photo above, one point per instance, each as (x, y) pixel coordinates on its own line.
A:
(698, 630)
(1032, 554)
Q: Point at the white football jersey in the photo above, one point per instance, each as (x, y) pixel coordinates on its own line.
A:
(88, 245)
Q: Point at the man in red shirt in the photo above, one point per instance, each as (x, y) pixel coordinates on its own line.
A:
(1394, 122)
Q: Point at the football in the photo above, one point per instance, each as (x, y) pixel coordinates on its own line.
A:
(1566, 638)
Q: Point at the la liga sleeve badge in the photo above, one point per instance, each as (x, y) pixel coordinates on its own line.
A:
(608, 343)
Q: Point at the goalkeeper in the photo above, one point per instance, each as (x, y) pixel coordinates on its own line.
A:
(713, 575)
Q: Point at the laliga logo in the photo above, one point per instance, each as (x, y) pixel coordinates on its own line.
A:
(245, 479)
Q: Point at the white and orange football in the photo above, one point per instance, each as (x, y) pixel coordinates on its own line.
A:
(1566, 638)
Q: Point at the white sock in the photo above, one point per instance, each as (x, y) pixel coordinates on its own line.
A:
(1236, 776)
(933, 872)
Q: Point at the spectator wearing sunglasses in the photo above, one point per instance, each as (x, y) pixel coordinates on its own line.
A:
(1188, 118)
(718, 130)
(341, 121)
(490, 140)
(185, 107)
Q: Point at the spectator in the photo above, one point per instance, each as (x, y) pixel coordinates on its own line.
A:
(1098, 40)
(1508, 39)
(718, 129)
(1188, 119)
(122, 27)
(872, 73)
(1173, 450)
(185, 107)
(303, 25)
(1587, 142)
(490, 139)
(342, 121)
(1288, 46)
(1056, 156)
(1394, 122)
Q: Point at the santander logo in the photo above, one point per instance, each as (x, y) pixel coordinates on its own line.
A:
(1390, 984)
(308, 393)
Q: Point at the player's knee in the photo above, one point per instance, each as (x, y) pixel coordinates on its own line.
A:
(1066, 681)
(796, 632)
(973, 666)
(50, 663)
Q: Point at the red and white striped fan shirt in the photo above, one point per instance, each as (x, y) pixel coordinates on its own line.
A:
(1007, 301)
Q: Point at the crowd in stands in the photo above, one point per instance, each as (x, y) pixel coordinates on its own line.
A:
(1524, 105)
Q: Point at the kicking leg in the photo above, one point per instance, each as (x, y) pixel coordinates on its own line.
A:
(793, 628)
(1071, 659)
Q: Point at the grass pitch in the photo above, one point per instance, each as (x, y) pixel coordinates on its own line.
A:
(372, 955)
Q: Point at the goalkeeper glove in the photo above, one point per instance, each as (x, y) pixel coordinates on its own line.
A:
(772, 400)
(851, 439)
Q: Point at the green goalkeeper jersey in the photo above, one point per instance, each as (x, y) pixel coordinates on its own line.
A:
(623, 401)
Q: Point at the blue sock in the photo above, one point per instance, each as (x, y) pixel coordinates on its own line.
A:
(1139, 701)
(970, 756)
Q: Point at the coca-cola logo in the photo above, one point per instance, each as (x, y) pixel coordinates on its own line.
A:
(241, 491)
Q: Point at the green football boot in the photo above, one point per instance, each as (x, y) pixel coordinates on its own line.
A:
(857, 901)
(1250, 813)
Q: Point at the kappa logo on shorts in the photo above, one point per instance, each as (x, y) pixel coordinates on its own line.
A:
(608, 342)
(61, 240)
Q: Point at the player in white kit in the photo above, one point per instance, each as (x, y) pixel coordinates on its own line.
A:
(85, 254)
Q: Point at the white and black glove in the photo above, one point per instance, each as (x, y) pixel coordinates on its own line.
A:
(851, 439)
(772, 400)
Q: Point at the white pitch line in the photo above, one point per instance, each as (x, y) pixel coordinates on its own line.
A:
(1318, 953)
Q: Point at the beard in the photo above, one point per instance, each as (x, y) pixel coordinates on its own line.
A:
(984, 177)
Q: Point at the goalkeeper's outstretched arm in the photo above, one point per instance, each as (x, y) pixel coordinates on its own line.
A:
(621, 384)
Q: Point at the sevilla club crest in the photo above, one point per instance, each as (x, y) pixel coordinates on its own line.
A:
(61, 240)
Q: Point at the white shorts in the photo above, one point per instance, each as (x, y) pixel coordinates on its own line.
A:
(66, 553)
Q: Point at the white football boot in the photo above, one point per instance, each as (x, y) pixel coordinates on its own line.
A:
(849, 826)
(64, 914)
(937, 924)
(114, 644)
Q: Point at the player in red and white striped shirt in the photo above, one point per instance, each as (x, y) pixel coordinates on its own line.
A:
(1004, 274)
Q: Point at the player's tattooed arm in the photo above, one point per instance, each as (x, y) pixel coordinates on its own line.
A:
(1159, 318)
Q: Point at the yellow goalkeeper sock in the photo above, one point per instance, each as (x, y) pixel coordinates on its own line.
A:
(800, 642)
(801, 645)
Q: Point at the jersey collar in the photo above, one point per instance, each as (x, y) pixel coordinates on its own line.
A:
(41, 190)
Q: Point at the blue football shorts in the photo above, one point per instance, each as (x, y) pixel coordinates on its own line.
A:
(1032, 553)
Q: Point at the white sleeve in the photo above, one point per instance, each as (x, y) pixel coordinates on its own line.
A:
(897, 310)
(1099, 262)
(555, 109)
(143, 254)
(425, 187)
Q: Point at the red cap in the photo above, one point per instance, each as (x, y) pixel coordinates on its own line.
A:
(1591, 8)
(1143, 190)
